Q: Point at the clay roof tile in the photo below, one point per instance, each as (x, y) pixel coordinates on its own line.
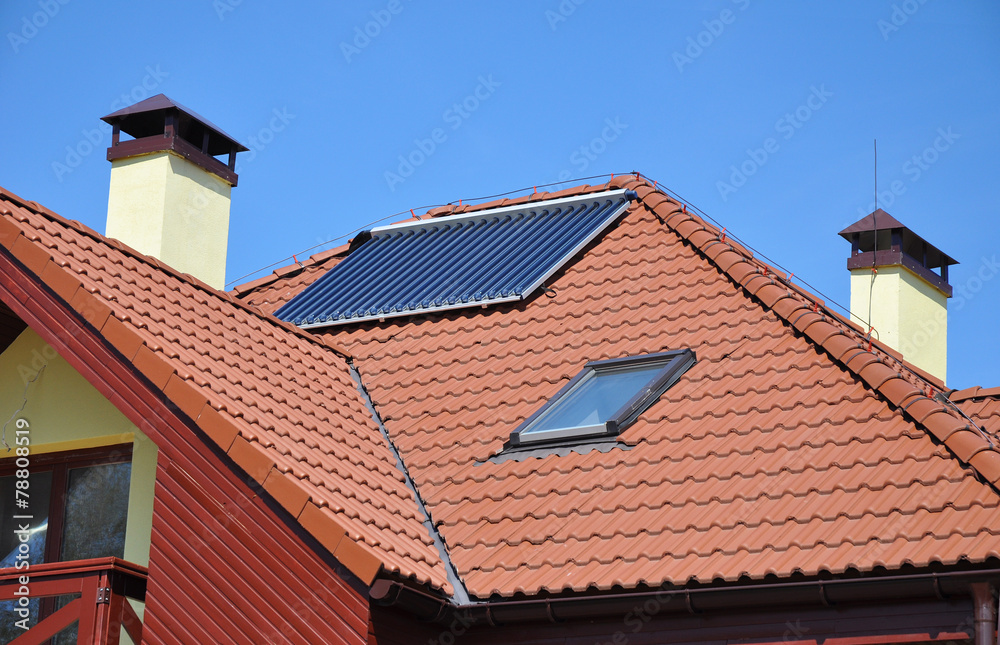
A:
(225, 376)
(778, 452)
(830, 389)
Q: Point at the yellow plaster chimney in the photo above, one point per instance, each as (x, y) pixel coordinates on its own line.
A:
(903, 281)
(169, 194)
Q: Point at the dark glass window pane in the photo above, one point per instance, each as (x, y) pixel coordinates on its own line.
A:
(39, 492)
(597, 397)
(96, 512)
(9, 618)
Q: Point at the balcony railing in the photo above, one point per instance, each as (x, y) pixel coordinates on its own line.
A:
(99, 588)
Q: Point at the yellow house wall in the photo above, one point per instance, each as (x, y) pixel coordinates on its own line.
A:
(65, 412)
(165, 206)
(909, 314)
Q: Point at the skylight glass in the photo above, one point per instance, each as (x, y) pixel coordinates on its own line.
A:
(604, 398)
(599, 396)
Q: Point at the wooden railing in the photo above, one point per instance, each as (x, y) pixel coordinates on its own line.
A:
(100, 610)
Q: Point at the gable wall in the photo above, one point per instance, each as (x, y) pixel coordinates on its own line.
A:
(222, 568)
(65, 412)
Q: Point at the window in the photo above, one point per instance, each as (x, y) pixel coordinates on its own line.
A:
(78, 503)
(603, 399)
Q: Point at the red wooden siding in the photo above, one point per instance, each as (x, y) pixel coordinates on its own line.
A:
(222, 569)
(215, 542)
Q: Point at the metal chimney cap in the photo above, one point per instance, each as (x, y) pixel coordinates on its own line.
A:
(159, 123)
(879, 240)
(145, 119)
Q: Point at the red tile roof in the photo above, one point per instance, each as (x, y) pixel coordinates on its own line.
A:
(983, 406)
(788, 448)
(272, 291)
(280, 402)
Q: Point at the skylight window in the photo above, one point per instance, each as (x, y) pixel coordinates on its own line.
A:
(604, 398)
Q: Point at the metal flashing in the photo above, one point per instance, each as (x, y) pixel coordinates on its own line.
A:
(497, 212)
(534, 451)
(460, 594)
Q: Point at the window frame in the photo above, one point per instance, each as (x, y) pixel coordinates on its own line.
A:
(675, 363)
(59, 464)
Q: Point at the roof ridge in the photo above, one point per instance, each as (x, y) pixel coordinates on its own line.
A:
(974, 392)
(825, 328)
(83, 229)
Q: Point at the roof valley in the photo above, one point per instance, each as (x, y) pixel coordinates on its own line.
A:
(460, 593)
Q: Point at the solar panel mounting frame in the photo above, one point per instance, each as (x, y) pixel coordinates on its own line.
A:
(625, 195)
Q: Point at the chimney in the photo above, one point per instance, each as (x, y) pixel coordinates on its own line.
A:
(907, 292)
(169, 194)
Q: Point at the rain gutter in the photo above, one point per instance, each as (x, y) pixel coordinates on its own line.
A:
(941, 586)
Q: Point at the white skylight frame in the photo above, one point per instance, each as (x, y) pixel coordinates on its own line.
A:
(673, 365)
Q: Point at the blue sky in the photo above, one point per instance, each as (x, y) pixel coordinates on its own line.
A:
(490, 98)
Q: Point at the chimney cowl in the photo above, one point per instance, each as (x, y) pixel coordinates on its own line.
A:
(900, 289)
(160, 123)
(879, 239)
